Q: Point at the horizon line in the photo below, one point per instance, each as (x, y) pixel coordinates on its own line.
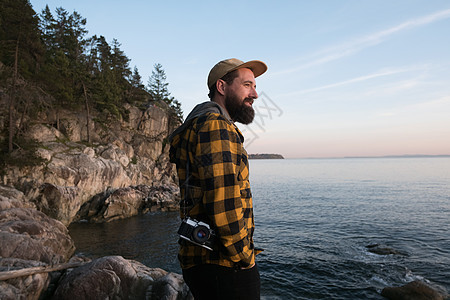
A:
(377, 156)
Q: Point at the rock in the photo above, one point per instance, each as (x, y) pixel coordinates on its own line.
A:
(147, 147)
(154, 122)
(163, 198)
(29, 238)
(29, 287)
(122, 154)
(381, 249)
(10, 198)
(114, 277)
(115, 153)
(29, 234)
(59, 202)
(104, 278)
(415, 290)
(127, 202)
(71, 180)
(170, 287)
(122, 203)
(44, 133)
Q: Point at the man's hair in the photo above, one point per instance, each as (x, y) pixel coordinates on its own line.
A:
(228, 78)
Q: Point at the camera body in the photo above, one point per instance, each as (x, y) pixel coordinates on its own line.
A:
(197, 232)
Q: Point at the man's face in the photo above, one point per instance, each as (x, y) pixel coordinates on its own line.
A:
(240, 95)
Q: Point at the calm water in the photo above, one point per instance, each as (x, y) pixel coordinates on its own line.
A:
(314, 218)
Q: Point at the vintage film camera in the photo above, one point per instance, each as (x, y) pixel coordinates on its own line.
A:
(197, 232)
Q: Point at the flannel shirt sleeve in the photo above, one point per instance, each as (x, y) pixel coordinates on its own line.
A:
(218, 154)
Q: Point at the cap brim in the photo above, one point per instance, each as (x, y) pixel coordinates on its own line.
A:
(258, 67)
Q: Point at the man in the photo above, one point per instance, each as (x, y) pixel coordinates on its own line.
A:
(212, 167)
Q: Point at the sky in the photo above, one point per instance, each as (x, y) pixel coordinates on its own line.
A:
(345, 78)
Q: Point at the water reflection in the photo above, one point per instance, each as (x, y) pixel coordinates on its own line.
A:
(150, 239)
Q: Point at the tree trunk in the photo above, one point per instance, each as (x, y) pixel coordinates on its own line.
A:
(35, 270)
(87, 114)
(12, 99)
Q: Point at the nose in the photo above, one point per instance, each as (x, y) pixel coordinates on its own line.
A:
(253, 93)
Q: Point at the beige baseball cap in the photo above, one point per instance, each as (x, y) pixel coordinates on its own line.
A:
(226, 66)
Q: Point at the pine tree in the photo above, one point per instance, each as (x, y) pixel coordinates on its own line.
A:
(64, 71)
(157, 85)
(136, 79)
(158, 88)
(136, 93)
(20, 51)
(20, 37)
(120, 63)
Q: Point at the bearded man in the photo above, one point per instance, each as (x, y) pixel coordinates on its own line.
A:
(217, 253)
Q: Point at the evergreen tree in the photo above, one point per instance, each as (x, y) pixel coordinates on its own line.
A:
(177, 111)
(158, 88)
(107, 93)
(78, 72)
(64, 39)
(46, 22)
(20, 45)
(157, 85)
(136, 93)
(120, 63)
(21, 52)
(136, 79)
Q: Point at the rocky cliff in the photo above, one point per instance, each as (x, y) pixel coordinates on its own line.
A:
(124, 171)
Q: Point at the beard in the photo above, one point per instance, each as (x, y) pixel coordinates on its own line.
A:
(239, 111)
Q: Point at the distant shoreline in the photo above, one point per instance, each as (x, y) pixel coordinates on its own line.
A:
(265, 156)
(382, 156)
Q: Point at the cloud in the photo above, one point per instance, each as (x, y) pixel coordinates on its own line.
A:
(388, 114)
(441, 105)
(346, 49)
(381, 73)
(436, 109)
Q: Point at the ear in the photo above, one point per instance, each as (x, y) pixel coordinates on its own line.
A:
(220, 85)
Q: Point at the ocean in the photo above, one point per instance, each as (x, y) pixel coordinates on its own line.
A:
(314, 219)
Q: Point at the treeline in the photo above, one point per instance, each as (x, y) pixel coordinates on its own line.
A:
(265, 156)
(50, 53)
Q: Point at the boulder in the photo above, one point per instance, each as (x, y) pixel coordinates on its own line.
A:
(28, 238)
(381, 249)
(29, 287)
(114, 277)
(163, 197)
(44, 133)
(114, 204)
(122, 203)
(30, 234)
(171, 286)
(416, 290)
(10, 198)
(59, 202)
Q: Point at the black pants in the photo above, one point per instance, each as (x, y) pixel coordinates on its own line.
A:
(217, 282)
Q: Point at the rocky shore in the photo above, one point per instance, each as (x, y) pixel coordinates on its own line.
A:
(33, 241)
(124, 171)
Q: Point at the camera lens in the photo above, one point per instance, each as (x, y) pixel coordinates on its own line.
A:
(200, 234)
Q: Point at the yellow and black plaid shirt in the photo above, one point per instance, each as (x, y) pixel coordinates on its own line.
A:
(219, 188)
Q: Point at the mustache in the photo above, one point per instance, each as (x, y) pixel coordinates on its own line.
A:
(248, 99)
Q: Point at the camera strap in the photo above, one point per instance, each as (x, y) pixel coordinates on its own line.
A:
(186, 185)
(186, 202)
